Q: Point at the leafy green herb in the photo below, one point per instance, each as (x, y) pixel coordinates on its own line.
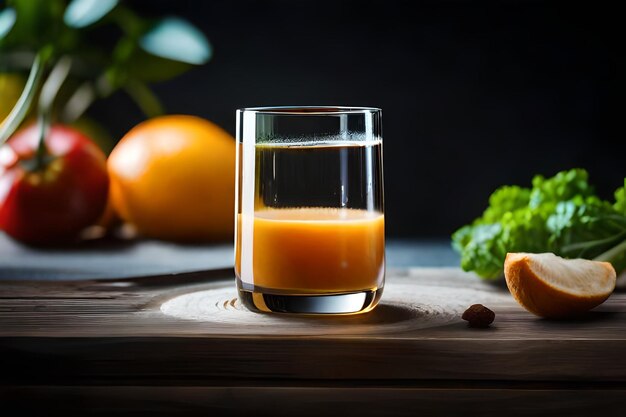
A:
(620, 199)
(561, 214)
(131, 53)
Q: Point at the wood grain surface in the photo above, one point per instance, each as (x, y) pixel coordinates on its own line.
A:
(188, 332)
(289, 401)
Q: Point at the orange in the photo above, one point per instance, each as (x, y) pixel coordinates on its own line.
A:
(173, 177)
(550, 286)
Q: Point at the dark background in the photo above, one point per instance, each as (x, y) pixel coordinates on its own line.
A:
(474, 94)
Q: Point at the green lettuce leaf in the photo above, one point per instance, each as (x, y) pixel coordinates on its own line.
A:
(620, 199)
(560, 214)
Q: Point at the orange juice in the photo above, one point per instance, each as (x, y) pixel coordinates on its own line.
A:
(313, 250)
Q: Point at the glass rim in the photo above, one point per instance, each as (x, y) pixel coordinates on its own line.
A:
(310, 110)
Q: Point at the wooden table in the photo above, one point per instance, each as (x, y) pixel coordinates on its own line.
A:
(182, 345)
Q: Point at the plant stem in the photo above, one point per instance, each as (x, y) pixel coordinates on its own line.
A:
(43, 122)
(19, 111)
(47, 96)
(79, 102)
(590, 244)
(84, 96)
(145, 98)
(127, 20)
(613, 254)
(53, 83)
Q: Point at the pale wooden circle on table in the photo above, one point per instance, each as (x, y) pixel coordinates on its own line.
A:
(404, 306)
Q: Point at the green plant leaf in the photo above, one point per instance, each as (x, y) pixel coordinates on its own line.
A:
(7, 20)
(37, 23)
(17, 115)
(150, 68)
(178, 40)
(81, 13)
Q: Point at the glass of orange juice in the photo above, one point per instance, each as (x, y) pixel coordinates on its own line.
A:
(310, 228)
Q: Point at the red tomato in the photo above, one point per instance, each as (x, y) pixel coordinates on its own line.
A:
(55, 202)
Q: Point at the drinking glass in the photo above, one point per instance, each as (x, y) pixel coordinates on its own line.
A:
(309, 233)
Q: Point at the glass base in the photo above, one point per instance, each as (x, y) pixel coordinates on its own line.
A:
(271, 301)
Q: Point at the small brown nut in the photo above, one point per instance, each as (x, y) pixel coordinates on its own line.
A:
(477, 315)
